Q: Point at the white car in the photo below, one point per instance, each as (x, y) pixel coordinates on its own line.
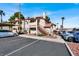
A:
(68, 36)
(7, 33)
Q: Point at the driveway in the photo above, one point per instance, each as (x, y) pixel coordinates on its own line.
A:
(20, 46)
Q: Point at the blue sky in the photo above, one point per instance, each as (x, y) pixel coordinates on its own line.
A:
(54, 10)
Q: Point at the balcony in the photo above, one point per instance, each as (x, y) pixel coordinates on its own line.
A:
(32, 24)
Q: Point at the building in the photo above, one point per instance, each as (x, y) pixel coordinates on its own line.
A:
(6, 26)
(19, 25)
(35, 25)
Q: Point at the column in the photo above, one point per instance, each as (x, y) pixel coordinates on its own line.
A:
(36, 27)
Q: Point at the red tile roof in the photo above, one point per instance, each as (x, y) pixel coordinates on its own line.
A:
(14, 21)
(39, 17)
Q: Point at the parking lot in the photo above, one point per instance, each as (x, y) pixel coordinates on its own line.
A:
(20, 46)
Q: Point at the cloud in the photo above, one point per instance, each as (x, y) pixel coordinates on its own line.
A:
(71, 17)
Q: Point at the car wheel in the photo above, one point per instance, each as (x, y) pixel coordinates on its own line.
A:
(62, 37)
(76, 40)
(15, 35)
(70, 39)
(65, 39)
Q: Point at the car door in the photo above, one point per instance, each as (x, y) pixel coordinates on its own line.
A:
(76, 36)
(3, 34)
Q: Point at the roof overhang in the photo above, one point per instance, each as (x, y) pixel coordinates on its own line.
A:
(6, 24)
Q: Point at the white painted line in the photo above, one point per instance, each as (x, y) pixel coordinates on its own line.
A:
(69, 49)
(21, 48)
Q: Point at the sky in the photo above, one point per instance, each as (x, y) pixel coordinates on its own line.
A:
(54, 10)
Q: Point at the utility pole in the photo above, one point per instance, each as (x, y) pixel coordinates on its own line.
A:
(19, 8)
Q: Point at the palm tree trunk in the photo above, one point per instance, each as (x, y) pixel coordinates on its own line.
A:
(1, 21)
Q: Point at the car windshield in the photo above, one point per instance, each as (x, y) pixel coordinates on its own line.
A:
(5, 31)
(63, 31)
(70, 32)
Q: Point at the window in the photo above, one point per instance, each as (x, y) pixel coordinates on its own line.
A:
(32, 20)
(5, 31)
(32, 28)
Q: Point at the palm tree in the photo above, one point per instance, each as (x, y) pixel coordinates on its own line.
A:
(1, 14)
(62, 21)
(47, 18)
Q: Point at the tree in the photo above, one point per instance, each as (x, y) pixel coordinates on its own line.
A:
(62, 18)
(16, 15)
(62, 21)
(47, 18)
(11, 18)
(19, 16)
(2, 14)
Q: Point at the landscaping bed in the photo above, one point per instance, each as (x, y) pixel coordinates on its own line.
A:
(74, 48)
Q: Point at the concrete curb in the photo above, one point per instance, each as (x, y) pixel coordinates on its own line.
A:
(69, 49)
(41, 38)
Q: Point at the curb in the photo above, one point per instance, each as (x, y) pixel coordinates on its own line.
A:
(68, 48)
(40, 38)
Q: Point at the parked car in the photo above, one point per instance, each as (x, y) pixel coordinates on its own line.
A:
(76, 36)
(7, 33)
(67, 35)
(70, 35)
(62, 33)
(75, 29)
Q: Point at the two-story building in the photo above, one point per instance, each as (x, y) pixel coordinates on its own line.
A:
(35, 25)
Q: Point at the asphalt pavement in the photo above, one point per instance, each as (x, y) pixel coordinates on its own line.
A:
(20, 46)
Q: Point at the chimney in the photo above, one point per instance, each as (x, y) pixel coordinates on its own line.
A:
(44, 14)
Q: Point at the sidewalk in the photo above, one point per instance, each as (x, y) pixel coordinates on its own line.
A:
(47, 38)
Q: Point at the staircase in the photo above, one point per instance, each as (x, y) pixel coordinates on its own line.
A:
(42, 30)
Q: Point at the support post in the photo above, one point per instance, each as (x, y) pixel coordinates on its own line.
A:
(36, 27)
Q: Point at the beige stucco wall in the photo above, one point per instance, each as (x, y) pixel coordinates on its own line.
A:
(5, 28)
(47, 29)
(32, 23)
(16, 28)
(23, 26)
(42, 22)
(32, 31)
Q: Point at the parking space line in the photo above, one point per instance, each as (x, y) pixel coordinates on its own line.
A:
(21, 48)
